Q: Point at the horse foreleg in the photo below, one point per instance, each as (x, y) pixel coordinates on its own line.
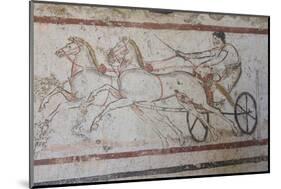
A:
(47, 98)
(120, 103)
(66, 94)
(113, 91)
(69, 96)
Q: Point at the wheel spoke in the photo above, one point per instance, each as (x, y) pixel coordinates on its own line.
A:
(193, 124)
(246, 112)
(239, 106)
(251, 116)
(247, 122)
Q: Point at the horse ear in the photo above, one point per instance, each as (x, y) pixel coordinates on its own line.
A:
(76, 40)
(71, 39)
(125, 39)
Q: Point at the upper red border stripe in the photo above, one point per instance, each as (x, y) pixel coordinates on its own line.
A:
(148, 25)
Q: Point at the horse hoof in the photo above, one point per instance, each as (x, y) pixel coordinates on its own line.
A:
(43, 105)
(215, 137)
(94, 127)
(182, 141)
(92, 98)
(237, 133)
(41, 108)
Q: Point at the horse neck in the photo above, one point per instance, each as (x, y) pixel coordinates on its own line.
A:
(74, 69)
(80, 62)
(132, 59)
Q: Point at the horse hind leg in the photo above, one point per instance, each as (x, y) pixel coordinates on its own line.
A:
(229, 122)
(185, 102)
(163, 139)
(145, 118)
(165, 119)
(200, 116)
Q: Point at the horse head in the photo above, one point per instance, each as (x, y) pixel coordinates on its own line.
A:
(78, 52)
(73, 47)
(118, 54)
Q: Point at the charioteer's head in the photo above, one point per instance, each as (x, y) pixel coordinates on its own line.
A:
(218, 39)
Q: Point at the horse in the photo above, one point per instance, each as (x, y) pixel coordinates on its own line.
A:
(138, 86)
(85, 75)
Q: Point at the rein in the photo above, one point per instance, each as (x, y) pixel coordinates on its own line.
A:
(162, 61)
(68, 57)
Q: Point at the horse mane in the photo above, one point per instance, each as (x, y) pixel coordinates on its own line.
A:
(138, 53)
(90, 50)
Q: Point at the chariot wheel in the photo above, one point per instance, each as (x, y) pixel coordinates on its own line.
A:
(245, 113)
(197, 129)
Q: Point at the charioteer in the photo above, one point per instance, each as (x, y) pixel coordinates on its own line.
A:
(218, 68)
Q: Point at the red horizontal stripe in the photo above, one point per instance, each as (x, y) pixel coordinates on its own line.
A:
(157, 171)
(75, 159)
(148, 25)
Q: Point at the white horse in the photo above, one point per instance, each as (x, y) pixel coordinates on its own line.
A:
(138, 86)
(85, 75)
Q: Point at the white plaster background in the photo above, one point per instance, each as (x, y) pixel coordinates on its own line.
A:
(125, 127)
(17, 159)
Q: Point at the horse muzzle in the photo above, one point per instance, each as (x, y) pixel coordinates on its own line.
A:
(60, 53)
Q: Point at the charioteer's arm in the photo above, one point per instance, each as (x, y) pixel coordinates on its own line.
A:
(215, 60)
(197, 55)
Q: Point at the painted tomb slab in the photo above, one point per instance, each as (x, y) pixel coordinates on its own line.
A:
(129, 94)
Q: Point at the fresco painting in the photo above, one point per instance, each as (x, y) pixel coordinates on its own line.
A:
(129, 94)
